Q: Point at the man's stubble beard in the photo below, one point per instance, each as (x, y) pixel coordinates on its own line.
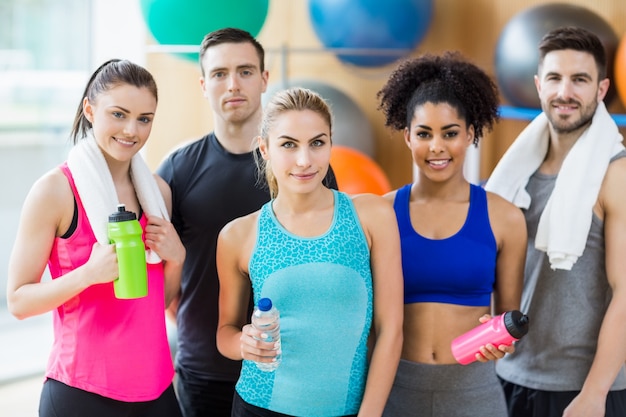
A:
(565, 125)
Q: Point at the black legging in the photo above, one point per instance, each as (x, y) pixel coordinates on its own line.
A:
(60, 400)
(524, 402)
(243, 409)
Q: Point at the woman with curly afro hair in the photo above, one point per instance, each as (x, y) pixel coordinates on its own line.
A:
(463, 249)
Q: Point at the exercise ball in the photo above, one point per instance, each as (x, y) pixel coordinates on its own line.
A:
(185, 22)
(619, 71)
(395, 27)
(351, 126)
(517, 54)
(357, 173)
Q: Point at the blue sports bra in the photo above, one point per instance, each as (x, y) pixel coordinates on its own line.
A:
(459, 269)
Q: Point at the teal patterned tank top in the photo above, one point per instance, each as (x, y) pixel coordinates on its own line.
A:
(322, 287)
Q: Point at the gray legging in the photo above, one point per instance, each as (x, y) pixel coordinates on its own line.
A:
(446, 391)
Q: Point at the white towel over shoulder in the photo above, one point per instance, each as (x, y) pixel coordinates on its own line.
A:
(97, 192)
(565, 221)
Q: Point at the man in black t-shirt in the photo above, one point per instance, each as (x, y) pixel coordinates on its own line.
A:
(214, 180)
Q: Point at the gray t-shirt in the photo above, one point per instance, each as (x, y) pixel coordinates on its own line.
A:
(566, 308)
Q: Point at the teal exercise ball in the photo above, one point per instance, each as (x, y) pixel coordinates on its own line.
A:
(391, 27)
(351, 127)
(517, 53)
(185, 22)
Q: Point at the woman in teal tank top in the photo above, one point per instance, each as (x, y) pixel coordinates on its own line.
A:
(330, 262)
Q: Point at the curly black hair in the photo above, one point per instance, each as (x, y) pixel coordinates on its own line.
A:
(446, 78)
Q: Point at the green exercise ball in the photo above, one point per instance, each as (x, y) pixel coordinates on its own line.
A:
(185, 22)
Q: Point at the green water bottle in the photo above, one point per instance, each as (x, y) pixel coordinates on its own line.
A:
(125, 232)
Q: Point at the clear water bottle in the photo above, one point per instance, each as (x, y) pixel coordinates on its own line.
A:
(266, 318)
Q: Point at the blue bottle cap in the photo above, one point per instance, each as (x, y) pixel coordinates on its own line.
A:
(265, 304)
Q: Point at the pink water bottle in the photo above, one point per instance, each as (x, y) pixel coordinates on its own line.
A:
(500, 330)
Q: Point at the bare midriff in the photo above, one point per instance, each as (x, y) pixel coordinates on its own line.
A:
(429, 328)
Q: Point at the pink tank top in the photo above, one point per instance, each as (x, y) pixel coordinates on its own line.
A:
(111, 347)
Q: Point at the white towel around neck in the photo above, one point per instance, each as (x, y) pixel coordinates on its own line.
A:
(566, 220)
(95, 186)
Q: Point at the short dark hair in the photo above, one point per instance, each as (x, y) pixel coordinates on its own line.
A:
(578, 39)
(231, 35)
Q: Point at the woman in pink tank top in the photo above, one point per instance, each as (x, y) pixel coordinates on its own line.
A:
(110, 356)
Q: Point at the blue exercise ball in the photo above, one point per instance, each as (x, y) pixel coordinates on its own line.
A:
(394, 27)
(351, 127)
(517, 54)
(185, 22)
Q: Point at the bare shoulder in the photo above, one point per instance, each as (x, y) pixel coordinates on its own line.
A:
(235, 245)
(500, 204)
(390, 196)
(503, 213)
(239, 230)
(49, 204)
(371, 204)
(616, 173)
(612, 196)
(51, 189)
(377, 217)
(375, 213)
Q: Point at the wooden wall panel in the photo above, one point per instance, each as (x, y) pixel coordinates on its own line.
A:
(294, 51)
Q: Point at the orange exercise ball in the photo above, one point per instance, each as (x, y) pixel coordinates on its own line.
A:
(357, 173)
(619, 72)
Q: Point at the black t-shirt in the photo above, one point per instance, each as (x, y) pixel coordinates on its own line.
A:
(210, 187)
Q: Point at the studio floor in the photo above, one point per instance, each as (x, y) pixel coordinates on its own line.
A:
(24, 349)
(20, 398)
